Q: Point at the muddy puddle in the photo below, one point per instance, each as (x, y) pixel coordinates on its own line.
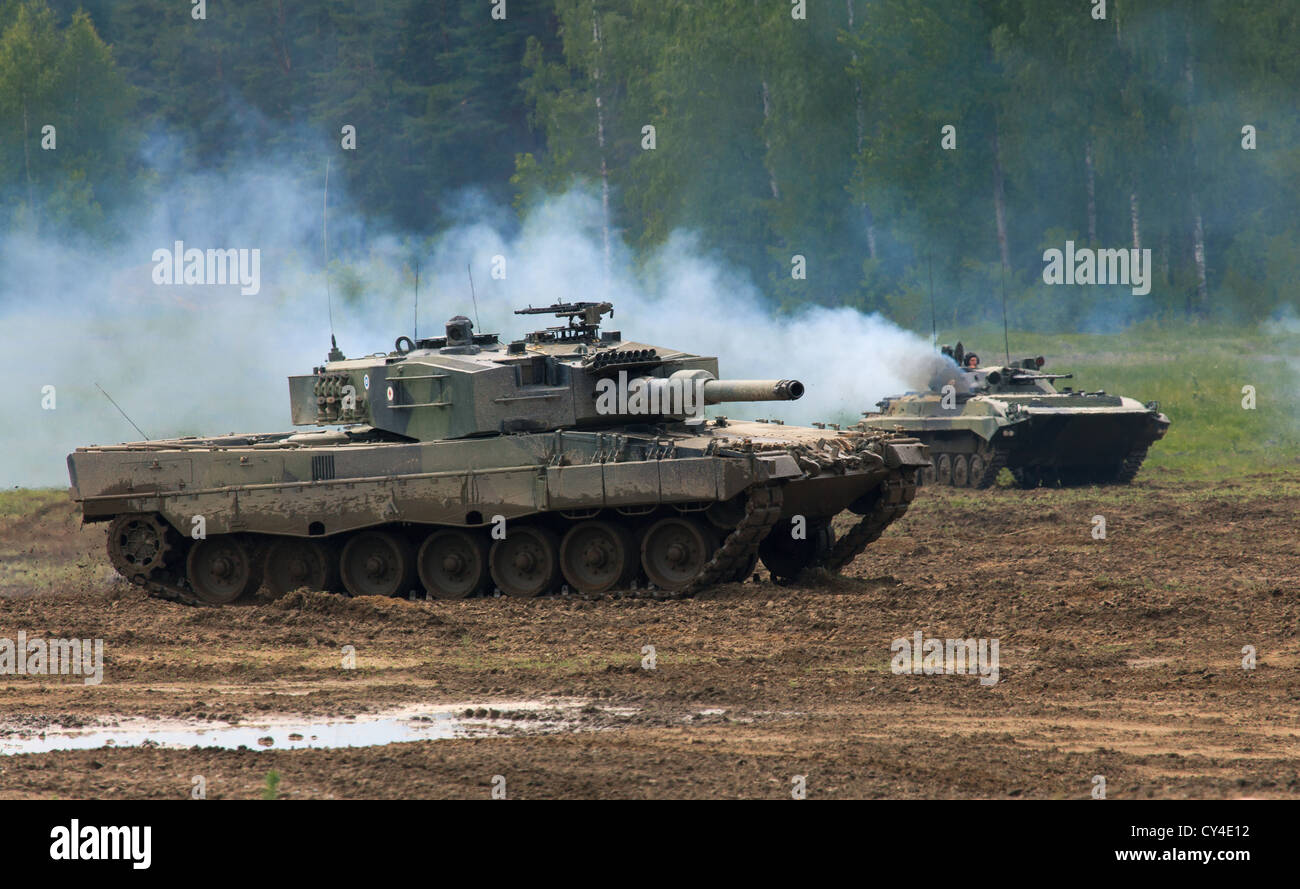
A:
(286, 733)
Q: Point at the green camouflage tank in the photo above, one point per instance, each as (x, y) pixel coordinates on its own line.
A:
(977, 420)
(457, 465)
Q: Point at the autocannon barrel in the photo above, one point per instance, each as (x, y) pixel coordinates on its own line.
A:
(720, 391)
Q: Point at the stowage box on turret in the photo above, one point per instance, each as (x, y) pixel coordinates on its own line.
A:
(977, 420)
(459, 464)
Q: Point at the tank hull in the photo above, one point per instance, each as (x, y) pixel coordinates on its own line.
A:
(326, 492)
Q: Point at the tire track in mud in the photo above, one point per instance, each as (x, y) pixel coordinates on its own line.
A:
(1119, 657)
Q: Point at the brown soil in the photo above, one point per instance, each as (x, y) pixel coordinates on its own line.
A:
(1119, 657)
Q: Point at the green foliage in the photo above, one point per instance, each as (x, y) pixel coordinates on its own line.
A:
(1196, 372)
(63, 140)
(25, 501)
(271, 787)
(775, 136)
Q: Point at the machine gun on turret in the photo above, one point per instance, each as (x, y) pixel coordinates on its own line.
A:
(583, 326)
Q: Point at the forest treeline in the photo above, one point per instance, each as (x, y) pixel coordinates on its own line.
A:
(867, 153)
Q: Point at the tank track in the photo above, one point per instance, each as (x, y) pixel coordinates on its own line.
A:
(737, 554)
(738, 551)
(1130, 467)
(896, 496)
(735, 557)
(172, 592)
(994, 463)
(161, 581)
(1073, 477)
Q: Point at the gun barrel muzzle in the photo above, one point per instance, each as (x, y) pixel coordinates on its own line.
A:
(721, 391)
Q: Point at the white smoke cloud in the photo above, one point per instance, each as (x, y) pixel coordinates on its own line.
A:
(680, 298)
(207, 360)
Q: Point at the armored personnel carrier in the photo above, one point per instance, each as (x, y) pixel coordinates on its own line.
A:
(979, 419)
(461, 464)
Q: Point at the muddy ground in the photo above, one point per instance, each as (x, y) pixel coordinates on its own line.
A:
(1119, 657)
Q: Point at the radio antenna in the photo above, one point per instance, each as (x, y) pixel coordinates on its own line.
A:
(334, 355)
(469, 268)
(934, 325)
(415, 319)
(325, 244)
(122, 412)
(1006, 337)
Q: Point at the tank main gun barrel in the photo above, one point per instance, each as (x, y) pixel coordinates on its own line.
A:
(1021, 375)
(1024, 376)
(721, 391)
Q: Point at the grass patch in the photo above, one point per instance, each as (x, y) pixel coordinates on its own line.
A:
(271, 786)
(24, 501)
(1197, 374)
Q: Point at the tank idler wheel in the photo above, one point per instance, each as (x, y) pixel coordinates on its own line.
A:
(526, 563)
(139, 544)
(223, 569)
(293, 563)
(943, 469)
(377, 563)
(598, 556)
(786, 556)
(960, 471)
(453, 564)
(675, 550)
(746, 571)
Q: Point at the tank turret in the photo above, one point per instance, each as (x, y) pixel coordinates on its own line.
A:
(465, 384)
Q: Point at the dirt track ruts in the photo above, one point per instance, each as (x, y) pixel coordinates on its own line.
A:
(1120, 657)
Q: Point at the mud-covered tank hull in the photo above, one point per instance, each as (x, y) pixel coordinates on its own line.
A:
(567, 460)
(596, 512)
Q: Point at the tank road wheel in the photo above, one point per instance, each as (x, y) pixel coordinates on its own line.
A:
(292, 563)
(138, 544)
(222, 569)
(526, 563)
(377, 563)
(454, 564)
(598, 556)
(960, 471)
(943, 470)
(675, 550)
(976, 471)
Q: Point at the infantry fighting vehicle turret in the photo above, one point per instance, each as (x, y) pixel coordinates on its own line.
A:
(459, 464)
(978, 419)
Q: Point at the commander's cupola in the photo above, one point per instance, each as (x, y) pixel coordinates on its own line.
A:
(460, 336)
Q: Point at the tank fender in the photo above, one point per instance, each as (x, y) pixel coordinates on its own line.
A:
(909, 454)
(781, 466)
